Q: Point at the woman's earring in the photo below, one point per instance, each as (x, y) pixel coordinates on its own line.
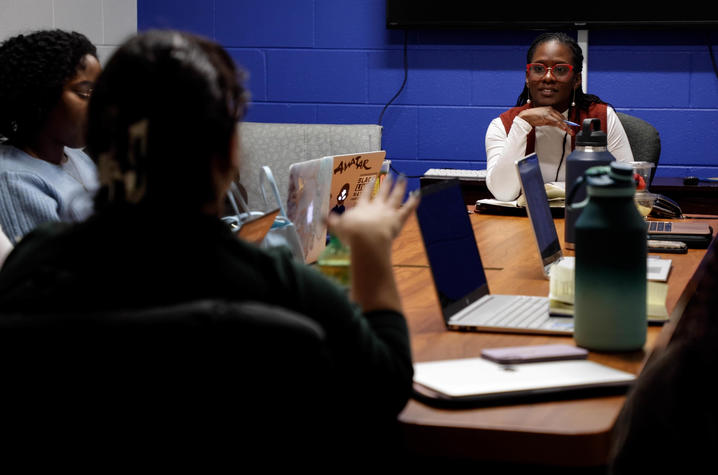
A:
(573, 101)
(528, 96)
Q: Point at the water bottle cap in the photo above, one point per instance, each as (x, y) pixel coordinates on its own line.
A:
(591, 134)
(621, 171)
(615, 179)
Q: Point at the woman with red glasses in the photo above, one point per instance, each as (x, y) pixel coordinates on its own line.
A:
(552, 95)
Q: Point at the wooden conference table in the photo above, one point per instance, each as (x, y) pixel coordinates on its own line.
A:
(559, 433)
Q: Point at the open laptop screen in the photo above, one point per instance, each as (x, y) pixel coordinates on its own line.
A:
(537, 206)
(450, 246)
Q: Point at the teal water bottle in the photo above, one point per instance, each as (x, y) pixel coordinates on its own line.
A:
(611, 251)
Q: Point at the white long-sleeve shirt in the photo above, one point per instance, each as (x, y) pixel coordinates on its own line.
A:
(502, 150)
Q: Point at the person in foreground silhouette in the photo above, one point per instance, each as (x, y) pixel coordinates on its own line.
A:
(162, 126)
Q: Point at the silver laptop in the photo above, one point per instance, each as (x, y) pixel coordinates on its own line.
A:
(546, 238)
(539, 212)
(544, 229)
(478, 379)
(458, 274)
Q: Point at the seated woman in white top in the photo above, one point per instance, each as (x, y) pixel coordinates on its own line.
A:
(46, 79)
(552, 94)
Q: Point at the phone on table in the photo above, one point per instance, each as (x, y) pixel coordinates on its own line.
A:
(534, 353)
(673, 247)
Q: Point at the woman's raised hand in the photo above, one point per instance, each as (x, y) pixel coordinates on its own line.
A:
(378, 219)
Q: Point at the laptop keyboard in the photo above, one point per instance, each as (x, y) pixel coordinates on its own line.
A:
(455, 173)
(525, 312)
(660, 226)
(516, 311)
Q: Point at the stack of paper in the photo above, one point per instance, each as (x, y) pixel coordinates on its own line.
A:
(561, 287)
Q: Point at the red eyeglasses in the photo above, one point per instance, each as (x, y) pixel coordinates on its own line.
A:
(559, 71)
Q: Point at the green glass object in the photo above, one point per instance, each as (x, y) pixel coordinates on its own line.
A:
(335, 262)
(611, 251)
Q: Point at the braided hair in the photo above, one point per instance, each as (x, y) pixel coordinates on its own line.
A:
(33, 71)
(582, 100)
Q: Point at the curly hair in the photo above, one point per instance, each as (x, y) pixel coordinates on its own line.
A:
(161, 118)
(582, 100)
(33, 70)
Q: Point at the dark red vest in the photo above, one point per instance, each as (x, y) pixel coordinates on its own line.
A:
(595, 110)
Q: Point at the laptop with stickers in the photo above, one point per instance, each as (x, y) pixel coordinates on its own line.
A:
(322, 185)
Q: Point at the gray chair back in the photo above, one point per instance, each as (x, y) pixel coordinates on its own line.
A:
(280, 145)
(644, 139)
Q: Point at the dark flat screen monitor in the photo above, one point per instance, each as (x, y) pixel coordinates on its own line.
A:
(464, 14)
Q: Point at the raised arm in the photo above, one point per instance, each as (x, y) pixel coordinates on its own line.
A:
(369, 229)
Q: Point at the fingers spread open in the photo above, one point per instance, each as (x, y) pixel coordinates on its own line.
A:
(397, 193)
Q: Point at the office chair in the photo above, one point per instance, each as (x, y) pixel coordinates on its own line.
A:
(644, 140)
(191, 384)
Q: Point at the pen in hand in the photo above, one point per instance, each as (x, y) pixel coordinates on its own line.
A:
(574, 124)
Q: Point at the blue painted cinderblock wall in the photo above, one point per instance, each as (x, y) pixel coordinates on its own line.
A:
(333, 61)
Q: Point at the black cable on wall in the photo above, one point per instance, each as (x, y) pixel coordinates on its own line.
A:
(403, 84)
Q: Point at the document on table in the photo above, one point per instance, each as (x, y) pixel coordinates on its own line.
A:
(554, 191)
(562, 283)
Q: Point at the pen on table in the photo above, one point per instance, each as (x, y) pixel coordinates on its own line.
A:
(572, 123)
